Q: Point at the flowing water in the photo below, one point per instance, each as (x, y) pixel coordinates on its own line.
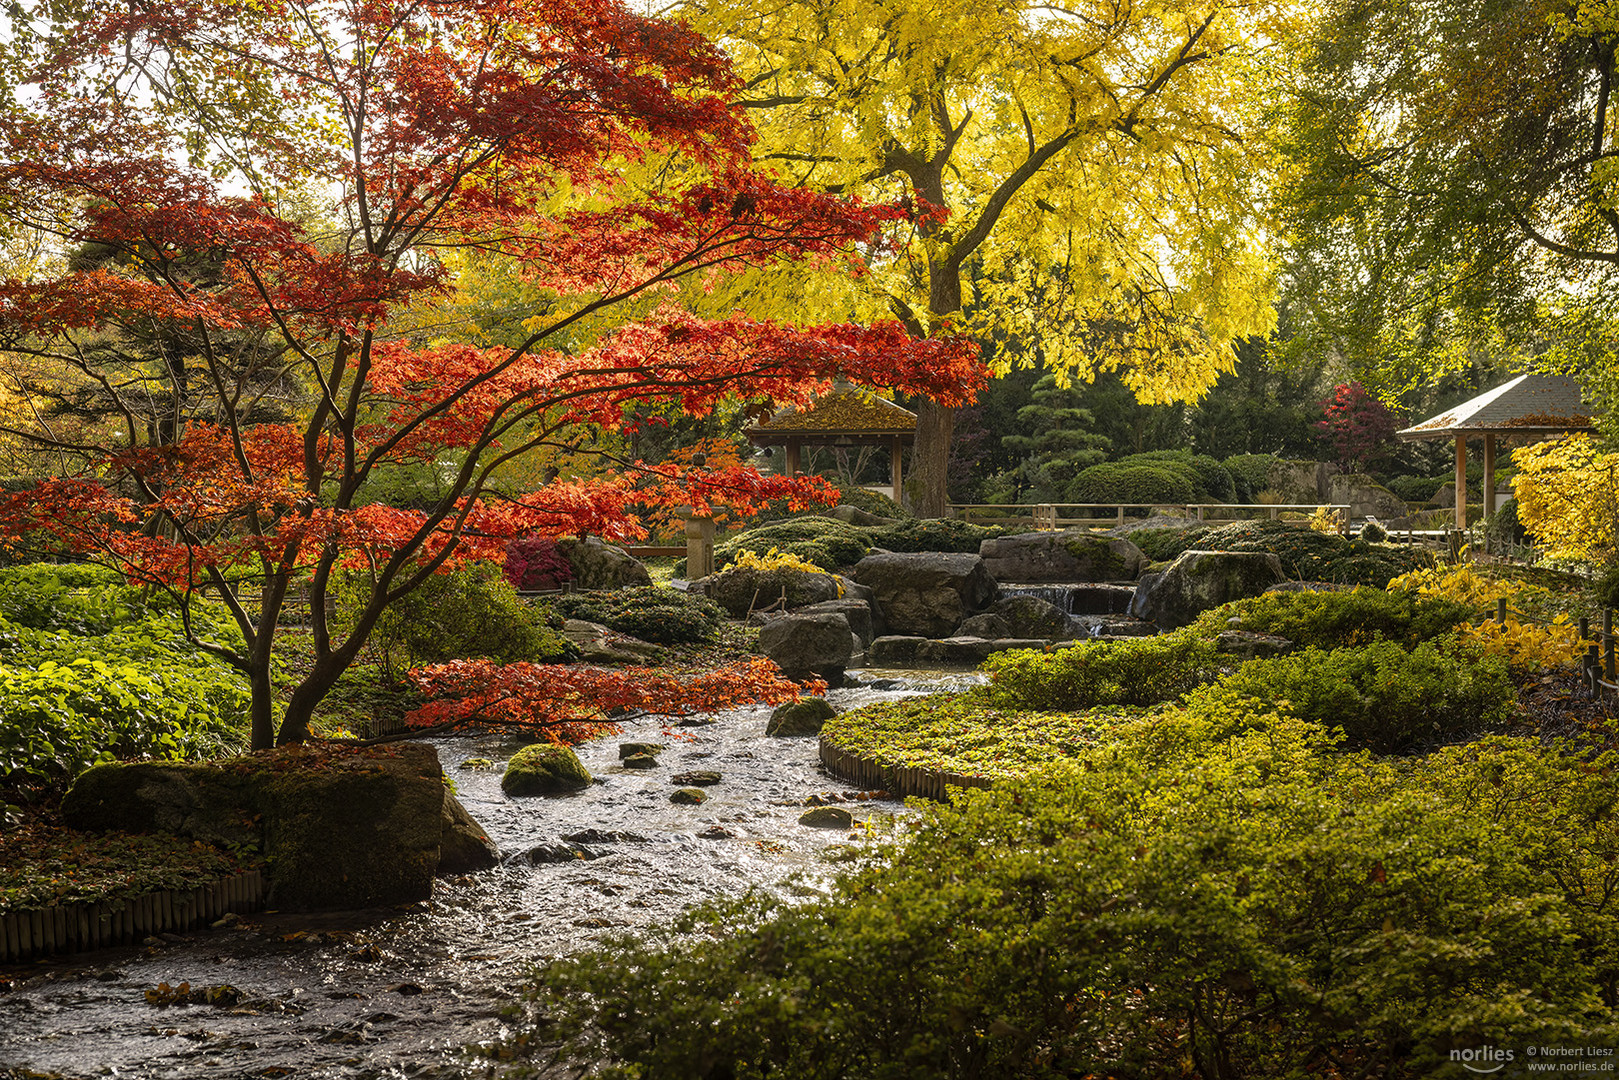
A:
(401, 993)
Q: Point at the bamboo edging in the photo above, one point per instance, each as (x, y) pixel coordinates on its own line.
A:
(105, 923)
(899, 780)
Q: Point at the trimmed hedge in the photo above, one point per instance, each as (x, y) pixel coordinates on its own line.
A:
(937, 534)
(1137, 671)
(1306, 555)
(1116, 482)
(650, 612)
(1250, 473)
(827, 542)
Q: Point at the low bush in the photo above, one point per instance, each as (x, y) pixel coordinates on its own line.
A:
(1115, 482)
(827, 542)
(754, 581)
(936, 534)
(1227, 897)
(1331, 620)
(650, 612)
(1211, 482)
(1417, 489)
(872, 502)
(1384, 698)
(962, 733)
(1139, 671)
(472, 613)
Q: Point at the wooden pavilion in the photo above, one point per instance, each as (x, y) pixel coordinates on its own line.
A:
(1536, 406)
(846, 416)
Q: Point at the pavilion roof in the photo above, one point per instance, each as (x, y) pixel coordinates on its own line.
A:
(842, 411)
(1528, 405)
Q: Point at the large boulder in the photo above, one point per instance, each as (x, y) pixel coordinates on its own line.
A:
(741, 589)
(544, 769)
(340, 829)
(1299, 481)
(966, 652)
(597, 565)
(1365, 497)
(1200, 580)
(926, 593)
(894, 650)
(1060, 556)
(463, 845)
(806, 646)
(857, 613)
(1032, 617)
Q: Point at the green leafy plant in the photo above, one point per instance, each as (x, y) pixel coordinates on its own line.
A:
(472, 613)
(1139, 671)
(1383, 697)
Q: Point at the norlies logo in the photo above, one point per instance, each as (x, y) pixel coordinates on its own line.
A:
(1482, 1059)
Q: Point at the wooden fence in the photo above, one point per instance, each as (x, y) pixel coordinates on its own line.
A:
(899, 781)
(75, 927)
(1047, 517)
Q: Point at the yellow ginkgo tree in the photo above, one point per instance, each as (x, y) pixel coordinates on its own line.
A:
(1087, 176)
(1568, 496)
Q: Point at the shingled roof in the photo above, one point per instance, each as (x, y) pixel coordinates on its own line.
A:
(1528, 405)
(845, 410)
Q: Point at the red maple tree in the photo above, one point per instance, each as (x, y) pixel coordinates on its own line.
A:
(1359, 427)
(595, 152)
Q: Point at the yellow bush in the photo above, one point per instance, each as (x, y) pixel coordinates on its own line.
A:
(1568, 496)
(1460, 583)
(1326, 520)
(1526, 645)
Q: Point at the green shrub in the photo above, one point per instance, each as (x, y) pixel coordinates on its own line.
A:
(1331, 620)
(1373, 533)
(470, 613)
(1306, 555)
(1382, 697)
(78, 599)
(936, 534)
(1250, 473)
(827, 542)
(1114, 482)
(962, 733)
(1417, 489)
(1606, 589)
(1210, 480)
(650, 612)
(1139, 671)
(58, 719)
(872, 502)
(1182, 902)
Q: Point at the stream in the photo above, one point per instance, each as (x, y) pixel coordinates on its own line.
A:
(401, 993)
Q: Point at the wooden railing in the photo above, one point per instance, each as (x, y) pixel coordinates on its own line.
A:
(1053, 516)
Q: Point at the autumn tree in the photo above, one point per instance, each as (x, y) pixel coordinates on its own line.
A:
(446, 133)
(1086, 175)
(1453, 200)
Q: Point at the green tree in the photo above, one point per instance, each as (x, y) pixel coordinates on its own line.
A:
(1456, 194)
(1060, 440)
(1084, 178)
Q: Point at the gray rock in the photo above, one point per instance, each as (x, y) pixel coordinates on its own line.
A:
(827, 817)
(550, 854)
(926, 593)
(1300, 481)
(804, 717)
(962, 651)
(697, 778)
(740, 590)
(1365, 497)
(464, 847)
(1032, 617)
(856, 516)
(689, 796)
(1073, 555)
(1200, 580)
(631, 749)
(806, 646)
(856, 612)
(602, 566)
(987, 625)
(894, 650)
(1122, 626)
(1251, 645)
(639, 761)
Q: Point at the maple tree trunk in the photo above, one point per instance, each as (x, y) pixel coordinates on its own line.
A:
(263, 708)
(935, 423)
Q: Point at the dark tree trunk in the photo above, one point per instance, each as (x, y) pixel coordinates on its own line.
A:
(935, 424)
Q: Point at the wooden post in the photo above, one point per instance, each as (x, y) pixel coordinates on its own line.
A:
(1489, 475)
(1607, 644)
(699, 543)
(893, 457)
(790, 464)
(1461, 481)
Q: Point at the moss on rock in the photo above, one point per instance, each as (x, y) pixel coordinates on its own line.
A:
(544, 769)
(800, 718)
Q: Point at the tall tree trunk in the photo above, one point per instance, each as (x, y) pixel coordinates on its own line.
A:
(935, 423)
(263, 707)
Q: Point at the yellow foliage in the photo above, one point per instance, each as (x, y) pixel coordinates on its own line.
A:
(1460, 583)
(1568, 496)
(775, 559)
(1528, 645)
(1326, 520)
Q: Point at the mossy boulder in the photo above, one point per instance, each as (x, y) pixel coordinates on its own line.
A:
(697, 778)
(689, 796)
(827, 817)
(741, 589)
(800, 717)
(339, 828)
(544, 769)
(631, 749)
(1200, 580)
(1071, 556)
(464, 847)
(639, 761)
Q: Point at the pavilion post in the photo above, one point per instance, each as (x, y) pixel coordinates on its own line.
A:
(1489, 475)
(893, 457)
(792, 457)
(1461, 482)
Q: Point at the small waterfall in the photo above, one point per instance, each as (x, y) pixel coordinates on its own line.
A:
(1079, 598)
